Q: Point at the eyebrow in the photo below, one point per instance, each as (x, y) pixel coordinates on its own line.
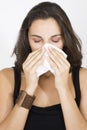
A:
(36, 36)
(57, 35)
(51, 36)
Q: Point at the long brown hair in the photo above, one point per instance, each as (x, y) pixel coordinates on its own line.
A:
(44, 10)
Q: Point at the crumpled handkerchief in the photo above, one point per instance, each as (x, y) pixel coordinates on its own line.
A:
(46, 66)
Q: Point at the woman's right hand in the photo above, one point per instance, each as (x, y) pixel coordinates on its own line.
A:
(29, 67)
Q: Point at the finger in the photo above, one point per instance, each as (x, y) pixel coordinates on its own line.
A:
(57, 53)
(52, 63)
(32, 56)
(35, 66)
(35, 57)
(34, 52)
(34, 61)
(60, 63)
(59, 56)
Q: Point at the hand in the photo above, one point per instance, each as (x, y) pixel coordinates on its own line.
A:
(61, 68)
(29, 67)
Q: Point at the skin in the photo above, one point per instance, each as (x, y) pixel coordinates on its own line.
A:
(60, 90)
(37, 38)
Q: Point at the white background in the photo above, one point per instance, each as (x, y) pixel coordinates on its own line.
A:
(12, 13)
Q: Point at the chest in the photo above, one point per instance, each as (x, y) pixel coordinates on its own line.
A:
(46, 93)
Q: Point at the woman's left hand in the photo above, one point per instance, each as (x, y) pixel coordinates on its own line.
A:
(61, 68)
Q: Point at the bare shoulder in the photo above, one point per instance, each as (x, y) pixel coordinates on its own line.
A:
(83, 86)
(7, 78)
(83, 78)
(6, 92)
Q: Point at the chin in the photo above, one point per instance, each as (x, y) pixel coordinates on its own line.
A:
(47, 74)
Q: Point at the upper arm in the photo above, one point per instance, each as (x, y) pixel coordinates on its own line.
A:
(83, 85)
(6, 92)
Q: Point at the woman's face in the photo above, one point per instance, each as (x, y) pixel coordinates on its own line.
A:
(44, 31)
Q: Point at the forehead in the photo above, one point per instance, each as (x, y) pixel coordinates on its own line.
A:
(44, 26)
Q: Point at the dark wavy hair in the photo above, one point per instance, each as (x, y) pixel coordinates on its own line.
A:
(45, 10)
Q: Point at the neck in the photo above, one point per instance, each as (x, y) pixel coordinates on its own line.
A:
(46, 81)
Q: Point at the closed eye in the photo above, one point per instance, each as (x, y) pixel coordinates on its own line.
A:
(56, 39)
(36, 41)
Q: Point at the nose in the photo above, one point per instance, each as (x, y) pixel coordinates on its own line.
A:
(47, 43)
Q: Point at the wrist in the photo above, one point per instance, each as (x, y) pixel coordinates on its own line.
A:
(30, 91)
(65, 93)
(25, 100)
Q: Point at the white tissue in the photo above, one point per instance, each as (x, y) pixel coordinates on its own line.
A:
(46, 66)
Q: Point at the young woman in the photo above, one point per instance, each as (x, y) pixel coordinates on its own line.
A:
(50, 101)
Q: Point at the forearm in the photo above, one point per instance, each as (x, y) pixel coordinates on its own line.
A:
(17, 117)
(15, 120)
(72, 116)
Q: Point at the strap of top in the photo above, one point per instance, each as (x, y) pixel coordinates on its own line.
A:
(76, 84)
(17, 81)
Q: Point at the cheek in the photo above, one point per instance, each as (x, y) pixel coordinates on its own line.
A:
(34, 46)
(59, 45)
